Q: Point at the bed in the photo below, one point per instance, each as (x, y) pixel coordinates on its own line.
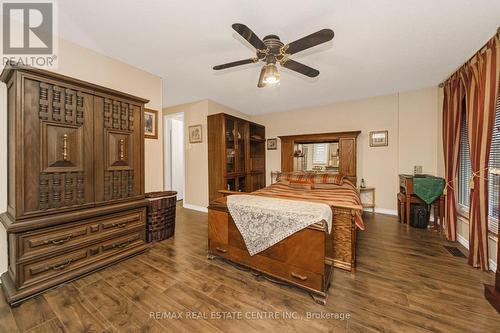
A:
(307, 257)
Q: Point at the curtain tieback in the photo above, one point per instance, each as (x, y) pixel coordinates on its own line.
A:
(476, 174)
(446, 185)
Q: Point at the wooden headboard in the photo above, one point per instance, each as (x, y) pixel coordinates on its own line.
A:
(347, 150)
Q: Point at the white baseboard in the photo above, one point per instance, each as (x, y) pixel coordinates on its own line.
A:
(465, 243)
(383, 211)
(461, 239)
(195, 207)
(493, 265)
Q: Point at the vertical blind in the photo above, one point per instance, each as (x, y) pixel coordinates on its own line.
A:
(320, 153)
(493, 180)
(465, 170)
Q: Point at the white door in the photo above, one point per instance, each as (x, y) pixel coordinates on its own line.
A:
(177, 151)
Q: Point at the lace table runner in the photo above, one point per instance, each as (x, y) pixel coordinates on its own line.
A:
(264, 221)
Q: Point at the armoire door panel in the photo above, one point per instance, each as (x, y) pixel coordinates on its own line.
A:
(57, 135)
(347, 147)
(118, 147)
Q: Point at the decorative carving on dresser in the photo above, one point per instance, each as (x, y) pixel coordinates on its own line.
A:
(76, 179)
(58, 190)
(80, 189)
(56, 103)
(60, 104)
(69, 189)
(44, 191)
(79, 108)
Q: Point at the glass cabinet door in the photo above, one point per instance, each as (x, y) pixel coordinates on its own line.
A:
(230, 146)
(240, 139)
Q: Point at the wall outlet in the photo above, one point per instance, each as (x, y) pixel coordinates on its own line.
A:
(418, 169)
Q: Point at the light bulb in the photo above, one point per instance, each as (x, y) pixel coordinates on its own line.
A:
(271, 74)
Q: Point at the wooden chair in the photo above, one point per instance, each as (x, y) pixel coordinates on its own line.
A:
(437, 206)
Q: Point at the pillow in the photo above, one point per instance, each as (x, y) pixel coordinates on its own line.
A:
(327, 178)
(286, 177)
(320, 186)
(303, 184)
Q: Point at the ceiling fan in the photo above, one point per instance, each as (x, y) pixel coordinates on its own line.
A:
(271, 50)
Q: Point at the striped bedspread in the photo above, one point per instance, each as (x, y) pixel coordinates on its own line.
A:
(343, 196)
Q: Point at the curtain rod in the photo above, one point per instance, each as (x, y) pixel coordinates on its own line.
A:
(441, 85)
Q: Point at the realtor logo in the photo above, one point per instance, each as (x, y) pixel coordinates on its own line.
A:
(28, 30)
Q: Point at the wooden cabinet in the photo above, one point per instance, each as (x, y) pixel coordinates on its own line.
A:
(347, 156)
(118, 146)
(236, 155)
(75, 179)
(347, 142)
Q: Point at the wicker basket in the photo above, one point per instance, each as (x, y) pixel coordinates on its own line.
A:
(161, 215)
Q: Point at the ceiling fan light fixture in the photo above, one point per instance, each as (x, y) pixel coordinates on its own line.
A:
(271, 74)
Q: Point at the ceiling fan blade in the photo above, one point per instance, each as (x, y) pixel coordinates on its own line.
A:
(249, 35)
(235, 63)
(261, 83)
(300, 68)
(319, 37)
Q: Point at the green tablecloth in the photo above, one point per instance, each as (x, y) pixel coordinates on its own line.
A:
(428, 188)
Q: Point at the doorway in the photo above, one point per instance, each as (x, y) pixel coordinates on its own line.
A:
(174, 153)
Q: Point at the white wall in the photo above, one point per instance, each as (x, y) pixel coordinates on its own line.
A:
(418, 130)
(3, 174)
(177, 137)
(174, 153)
(88, 65)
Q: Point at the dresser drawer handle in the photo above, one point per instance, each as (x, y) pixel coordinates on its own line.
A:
(120, 225)
(221, 249)
(61, 240)
(298, 276)
(122, 245)
(62, 266)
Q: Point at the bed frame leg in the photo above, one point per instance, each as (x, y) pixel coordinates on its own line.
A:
(319, 299)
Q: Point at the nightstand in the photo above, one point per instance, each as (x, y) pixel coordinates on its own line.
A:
(370, 193)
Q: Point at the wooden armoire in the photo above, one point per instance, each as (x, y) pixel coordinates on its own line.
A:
(236, 155)
(75, 179)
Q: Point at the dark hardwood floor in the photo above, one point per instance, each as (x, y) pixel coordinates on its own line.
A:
(405, 282)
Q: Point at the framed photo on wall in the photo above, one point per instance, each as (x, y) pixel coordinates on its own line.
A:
(272, 144)
(195, 134)
(150, 124)
(379, 138)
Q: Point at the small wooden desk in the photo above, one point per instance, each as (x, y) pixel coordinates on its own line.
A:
(368, 204)
(406, 197)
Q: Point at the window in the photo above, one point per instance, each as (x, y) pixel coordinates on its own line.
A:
(465, 170)
(493, 180)
(320, 153)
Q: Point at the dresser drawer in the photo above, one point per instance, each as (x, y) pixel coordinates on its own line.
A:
(289, 273)
(41, 270)
(66, 237)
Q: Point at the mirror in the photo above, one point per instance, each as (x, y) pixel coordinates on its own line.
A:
(316, 157)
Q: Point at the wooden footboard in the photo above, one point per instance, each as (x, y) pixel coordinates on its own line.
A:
(343, 254)
(304, 259)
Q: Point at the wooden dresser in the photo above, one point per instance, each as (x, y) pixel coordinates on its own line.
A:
(75, 179)
(236, 155)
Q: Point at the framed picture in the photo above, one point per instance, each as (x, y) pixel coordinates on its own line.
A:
(272, 144)
(379, 138)
(195, 134)
(150, 124)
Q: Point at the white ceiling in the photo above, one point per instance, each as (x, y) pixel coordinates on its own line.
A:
(380, 46)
